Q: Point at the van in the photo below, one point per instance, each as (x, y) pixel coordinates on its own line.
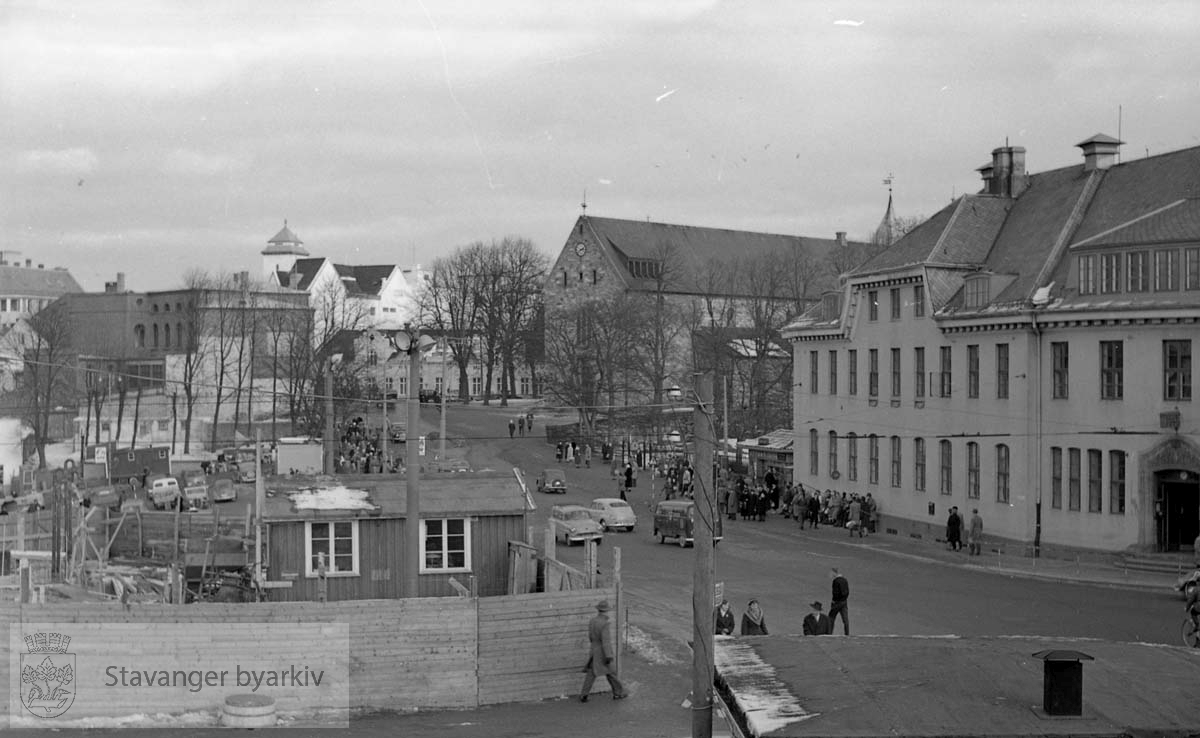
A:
(676, 519)
(164, 492)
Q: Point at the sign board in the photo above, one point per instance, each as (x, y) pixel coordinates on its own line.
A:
(718, 593)
(421, 447)
(101, 455)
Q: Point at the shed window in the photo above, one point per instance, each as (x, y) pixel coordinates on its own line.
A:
(336, 542)
(445, 545)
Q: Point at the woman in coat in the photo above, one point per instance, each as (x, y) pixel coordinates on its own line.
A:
(754, 622)
(725, 619)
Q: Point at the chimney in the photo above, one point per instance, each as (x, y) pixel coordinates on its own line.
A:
(120, 282)
(841, 238)
(29, 262)
(1099, 152)
(1008, 171)
(294, 280)
(985, 173)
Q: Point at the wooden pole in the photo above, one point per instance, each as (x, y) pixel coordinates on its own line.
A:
(412, 472)
(702, 576)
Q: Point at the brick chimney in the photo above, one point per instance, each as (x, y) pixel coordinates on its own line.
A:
(1008, 171)
(1099, 152)
(985, 173)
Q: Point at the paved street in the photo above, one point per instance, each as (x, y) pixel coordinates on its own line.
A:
(898, 587)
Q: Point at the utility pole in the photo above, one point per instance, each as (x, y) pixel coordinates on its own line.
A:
(329, 442)
(412, 471)
(703, 607)
(260, 499)
(442, 430)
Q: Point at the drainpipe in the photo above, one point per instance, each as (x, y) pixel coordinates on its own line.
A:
(1037, 411)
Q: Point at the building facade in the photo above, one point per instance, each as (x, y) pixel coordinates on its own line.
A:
(1025, 352)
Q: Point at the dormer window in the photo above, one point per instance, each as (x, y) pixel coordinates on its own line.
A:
(645, 268)
(977, 289)
(831, 305)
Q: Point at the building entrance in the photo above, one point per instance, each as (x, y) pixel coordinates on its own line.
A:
(1177, 509)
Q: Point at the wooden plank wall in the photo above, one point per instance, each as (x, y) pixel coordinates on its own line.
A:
(424, 653)
(534, 646)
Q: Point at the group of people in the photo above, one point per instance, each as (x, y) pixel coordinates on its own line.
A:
(816, 622)
(858, 513)
(360, 451)
(520, 424)
(954, 531)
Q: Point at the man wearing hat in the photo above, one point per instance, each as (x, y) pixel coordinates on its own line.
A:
(817, 623)
(600, 656)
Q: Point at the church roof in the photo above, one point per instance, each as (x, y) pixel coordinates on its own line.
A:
(285, 242)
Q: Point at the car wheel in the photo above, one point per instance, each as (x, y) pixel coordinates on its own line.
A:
(682, 541)
(661, 538)
(630, 529)
(1189, 588)
(603, 526)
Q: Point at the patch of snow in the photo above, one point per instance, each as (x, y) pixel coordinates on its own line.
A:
(764, 700)
(644, 645)
(331, 498)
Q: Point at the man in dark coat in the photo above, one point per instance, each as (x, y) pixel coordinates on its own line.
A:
(725, 622)
(954, 530)
(600, 656)
(840, 601)
(817, 623)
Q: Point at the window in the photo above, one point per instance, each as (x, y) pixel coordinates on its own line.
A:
(973, 470)
(1056, 478)
(334, 542)
(896, 461)
(894, 300)
(154, 331)
(895, 372)
(564, 278)
(918, 300)
(389, 384)
(1087, 274)
(976, 291)
(1137, 271)
(1191, 269)
(947, 484)
(919, 464)
(437, 384)
(833, 372)
(1095, 479)
(852, 457)
(1112, 370)
(852, 371)
(1002, 478)
(1166, 270)
(833, 459)
(167, 335)
(1002, 371)
(1116, 482)
(526, 386)
(945, 375)
(873, 459)
(445, 545)
(872, 305)
(402, 386)
(372, 358)
(813, 371)
(973, 370)
(178, 335)
(873, 372)
(477, 386)
(1073, 489)
(919, 372)
(1110, 273)
(1058, 359)
(1177, 370)
(814, 460)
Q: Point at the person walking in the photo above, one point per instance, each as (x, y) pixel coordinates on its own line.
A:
(839, 604)
(817, 623)
(754, 622)
(600, 656)
(529, 421)
(814, 510)
(628, 481)
(954, 530)
(854, 517)
(587, 455)
(521, 424)
(725, 621)
(512, 427)
(975, 534)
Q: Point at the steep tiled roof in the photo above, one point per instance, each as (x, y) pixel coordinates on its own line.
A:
(18, 281)
(1179, 221)
(961, 233)
(307, 269)
(367, 280)
(696, 247)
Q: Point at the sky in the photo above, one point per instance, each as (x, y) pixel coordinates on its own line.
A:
(159, 138)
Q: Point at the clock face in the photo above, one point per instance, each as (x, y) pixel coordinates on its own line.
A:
(580, 248)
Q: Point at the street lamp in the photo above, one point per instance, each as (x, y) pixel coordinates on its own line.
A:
(412, 342)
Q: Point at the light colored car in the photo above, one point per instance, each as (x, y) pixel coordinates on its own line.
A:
(552, 480)
(222, 490)
(164, 491)
(613, 512)
(573, 523)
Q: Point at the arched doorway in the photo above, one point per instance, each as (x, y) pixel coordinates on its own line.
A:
(1177, 504)
(1170, 489)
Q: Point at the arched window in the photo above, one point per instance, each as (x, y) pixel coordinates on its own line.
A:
(833, 453)
(852, 457)
(178, 334)
(139, 336)
(167, 335)
(155, 327)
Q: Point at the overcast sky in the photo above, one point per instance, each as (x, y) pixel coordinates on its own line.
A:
(155, 137)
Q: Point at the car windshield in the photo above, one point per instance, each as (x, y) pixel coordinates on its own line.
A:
(578, 514)
(618, 503)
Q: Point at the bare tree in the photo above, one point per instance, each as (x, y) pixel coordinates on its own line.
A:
(47, 378)
(450, 306)
(522, 268)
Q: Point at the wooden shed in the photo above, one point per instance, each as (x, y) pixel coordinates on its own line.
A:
(357, 529)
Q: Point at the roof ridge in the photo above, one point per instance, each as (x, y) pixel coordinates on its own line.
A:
(712, 228)
(958, 207)
(1126, 224)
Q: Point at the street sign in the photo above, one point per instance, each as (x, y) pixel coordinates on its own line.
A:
(421, 447)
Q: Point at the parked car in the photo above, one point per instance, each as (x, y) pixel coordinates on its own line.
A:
(677, 519)
(613, 512)
(573, 523)
(552, 480)
(222, 490)
(163, 490)
(106, 496)
(429, 396)
(195, 488)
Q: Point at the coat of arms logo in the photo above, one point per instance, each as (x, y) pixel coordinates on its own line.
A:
(47, 669)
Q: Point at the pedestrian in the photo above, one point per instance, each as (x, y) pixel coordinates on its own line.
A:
(814, 511)
(725, 621)
(954, 530)
(840, 601)
(628, 479)
(754, 622)
(558, 452)
(600, 656)
(529, 421)
(872, 509)
(569, 449)
(578, 457)
(587, 455)
(521, 424)
(817, 623)
(975, 534)
(854, 517)
(512, 427)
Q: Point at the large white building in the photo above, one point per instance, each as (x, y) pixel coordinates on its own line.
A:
(1026, 351)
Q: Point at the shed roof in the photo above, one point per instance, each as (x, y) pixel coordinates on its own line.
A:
(442, 494)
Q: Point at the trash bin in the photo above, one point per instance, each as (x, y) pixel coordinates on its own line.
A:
(1062, 681)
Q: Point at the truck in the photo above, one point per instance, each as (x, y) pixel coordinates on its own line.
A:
(195, 489)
